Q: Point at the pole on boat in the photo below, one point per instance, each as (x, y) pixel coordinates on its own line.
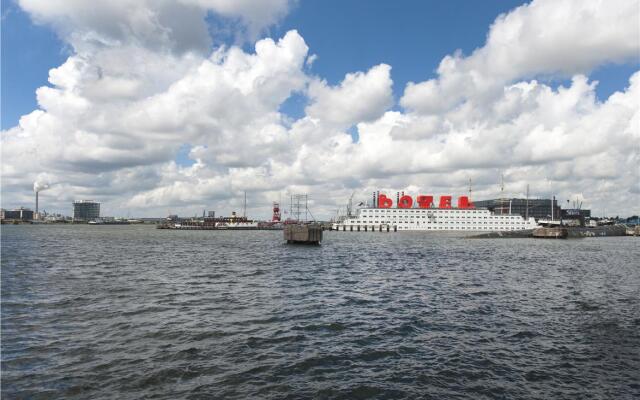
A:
(501, 194)
(244, 209)
(526, 210)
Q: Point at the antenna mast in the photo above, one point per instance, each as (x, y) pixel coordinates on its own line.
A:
(244, 209)
(526, 209)
(501, 194)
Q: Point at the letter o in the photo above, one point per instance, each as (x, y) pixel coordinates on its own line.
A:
(405, 202)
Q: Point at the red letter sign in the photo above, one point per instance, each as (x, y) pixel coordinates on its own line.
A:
(384, 201)
(445, 202)
(463, 202)
(405, 202)
(425, 201)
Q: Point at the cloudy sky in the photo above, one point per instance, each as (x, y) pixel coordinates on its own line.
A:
(158, 106)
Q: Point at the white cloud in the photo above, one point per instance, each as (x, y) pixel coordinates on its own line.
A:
(256, 15)
(225, 103)
(359, 97)
(175, 25)
(311, 59)
(544, 37)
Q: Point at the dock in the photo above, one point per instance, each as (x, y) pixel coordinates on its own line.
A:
(573, 232)
(633, 230)
(550, 233)
(303, 233)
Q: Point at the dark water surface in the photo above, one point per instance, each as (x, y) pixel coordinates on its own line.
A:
(133, 312)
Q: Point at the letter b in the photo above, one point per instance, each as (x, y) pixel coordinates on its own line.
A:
(384, 201)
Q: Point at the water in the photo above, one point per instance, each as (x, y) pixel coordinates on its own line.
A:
(134, 312)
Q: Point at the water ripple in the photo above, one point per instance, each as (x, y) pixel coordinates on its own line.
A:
(132, 312)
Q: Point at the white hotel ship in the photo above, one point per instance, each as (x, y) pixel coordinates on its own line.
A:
(426, 217)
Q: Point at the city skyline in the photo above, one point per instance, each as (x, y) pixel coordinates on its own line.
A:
(181, 106)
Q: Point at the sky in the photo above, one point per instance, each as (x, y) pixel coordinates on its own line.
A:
(176, 106)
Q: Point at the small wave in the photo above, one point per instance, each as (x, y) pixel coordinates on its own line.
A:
(151, 310)
(565, 365)
(358, 301)
(536, 376)
(254, 341)
(162, 376)
(333, 327)
(584, 306)
(373, 355)
(482, 293)
(525, 335)
(318, 361)
(208, 335)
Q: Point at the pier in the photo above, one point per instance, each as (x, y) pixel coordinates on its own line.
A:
(303, 233)
(550, 233)
(573, 232)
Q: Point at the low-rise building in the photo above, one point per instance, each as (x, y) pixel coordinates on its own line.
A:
(17, 214)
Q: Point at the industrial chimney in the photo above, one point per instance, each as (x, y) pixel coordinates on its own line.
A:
(39, 186)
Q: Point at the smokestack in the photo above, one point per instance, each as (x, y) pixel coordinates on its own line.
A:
(39, 185)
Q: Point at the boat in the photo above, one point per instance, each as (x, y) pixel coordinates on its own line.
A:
(423, 215)
(237, 225)
(550, 222)
(234, 222)
(108, 221)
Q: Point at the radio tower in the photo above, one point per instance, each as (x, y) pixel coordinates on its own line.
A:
(276, 212)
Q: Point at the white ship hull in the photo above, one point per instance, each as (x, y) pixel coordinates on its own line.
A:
(467, 220)
(237, 225)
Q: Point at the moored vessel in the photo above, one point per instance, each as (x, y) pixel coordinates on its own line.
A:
(423, 215)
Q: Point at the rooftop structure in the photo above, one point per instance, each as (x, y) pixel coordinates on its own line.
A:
(537, 208)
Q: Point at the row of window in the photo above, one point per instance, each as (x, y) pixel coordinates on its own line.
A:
(445, 213)
(421, 210)
(441, 220)
(444, 222)
(508, 228)
(445, 217)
